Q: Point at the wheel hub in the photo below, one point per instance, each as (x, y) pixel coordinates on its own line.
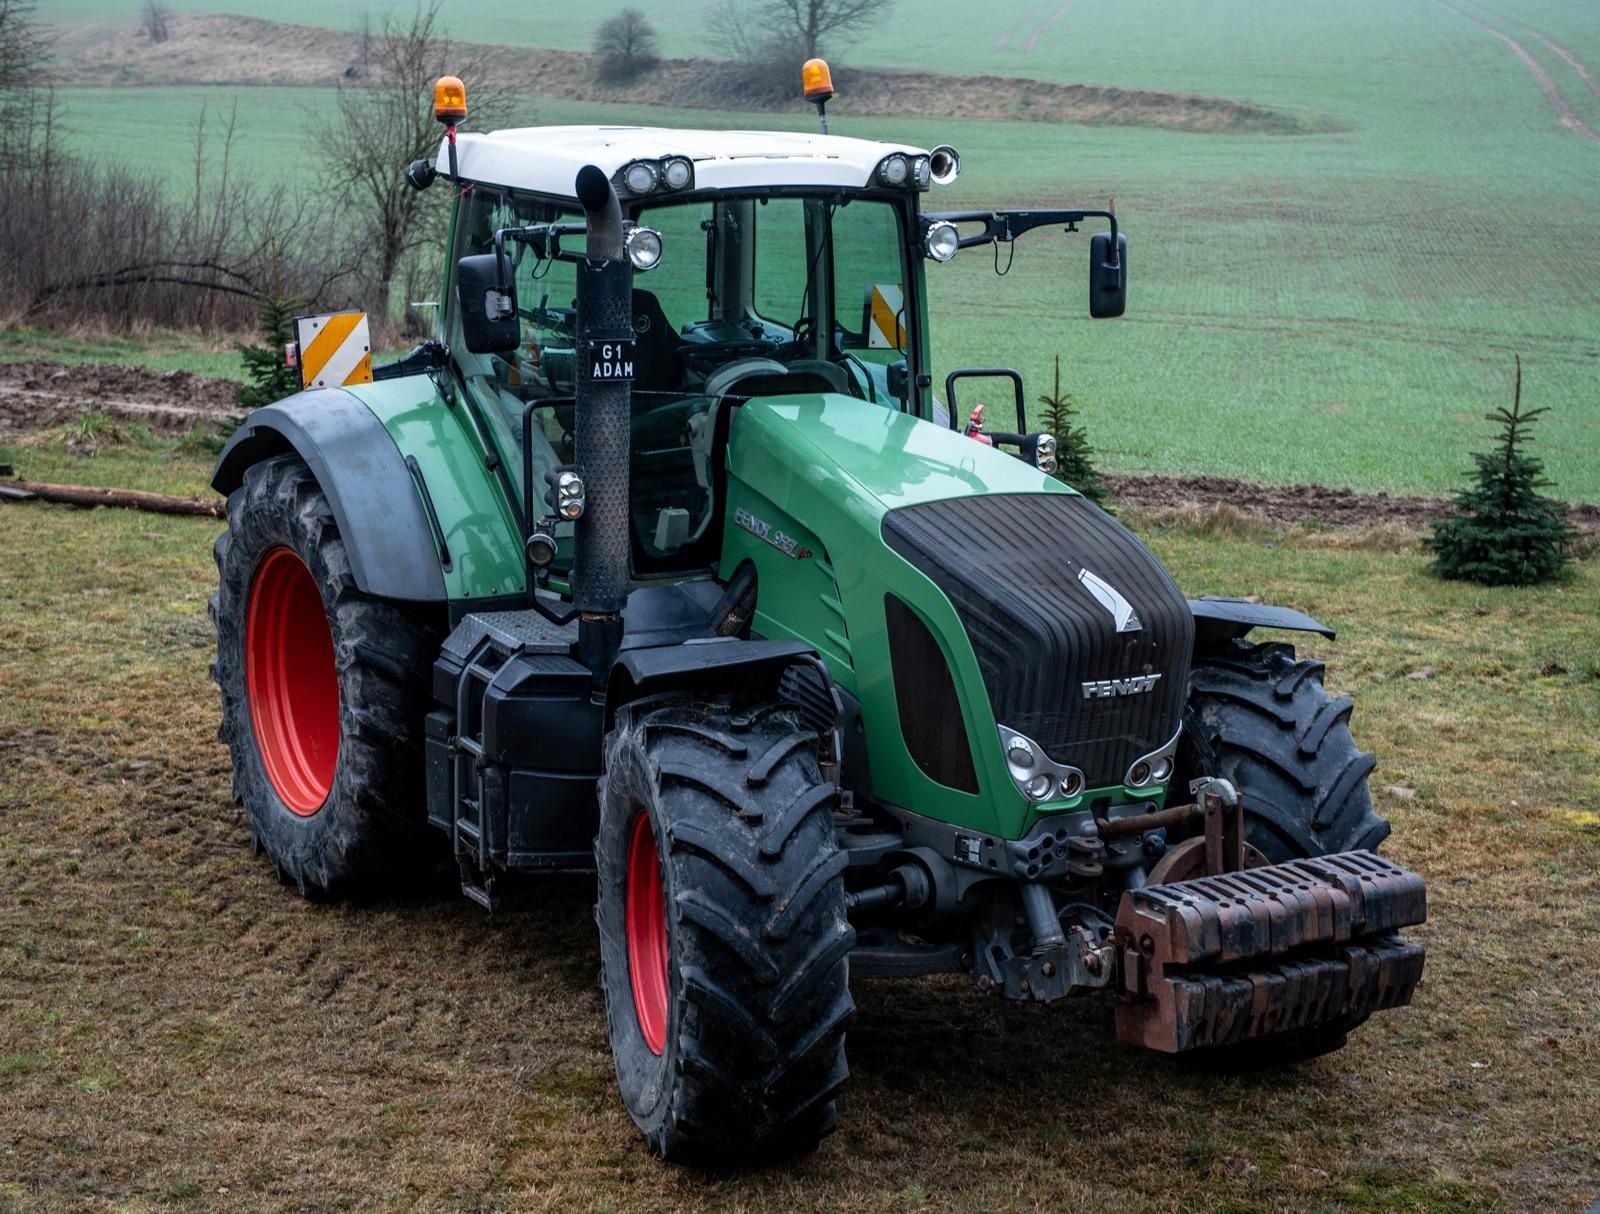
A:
(291, 682)
(646, 922)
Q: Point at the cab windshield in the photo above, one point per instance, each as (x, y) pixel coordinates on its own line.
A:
(759, 295)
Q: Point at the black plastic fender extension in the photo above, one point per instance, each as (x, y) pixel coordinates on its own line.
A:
(373, 495)
(712, 664)
(1218, 619)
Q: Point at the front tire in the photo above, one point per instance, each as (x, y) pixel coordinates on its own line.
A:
(723, 936)
(324, 690)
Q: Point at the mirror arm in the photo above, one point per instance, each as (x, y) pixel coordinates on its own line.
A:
(1008, 225)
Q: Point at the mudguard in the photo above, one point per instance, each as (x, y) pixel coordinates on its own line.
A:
(1218, 619)
(380, 517)
(721, 663)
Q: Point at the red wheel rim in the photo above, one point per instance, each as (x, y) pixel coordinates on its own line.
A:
(291, 682)
(645, 911)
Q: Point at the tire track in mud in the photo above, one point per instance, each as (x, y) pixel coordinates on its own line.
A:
(1044, 29)
(1561, 52)
(1569, 117)
(1028, 15)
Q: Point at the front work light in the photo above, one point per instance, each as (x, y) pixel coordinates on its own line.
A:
(640, 177)
(644, 248)
(450, 100)
(942, 240)
(944, 164)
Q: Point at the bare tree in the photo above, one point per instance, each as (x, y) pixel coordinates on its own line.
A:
(625, 46)
(761, 30)
(155, 19)
(376, 129)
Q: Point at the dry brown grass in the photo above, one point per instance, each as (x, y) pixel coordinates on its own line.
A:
(179, 1032)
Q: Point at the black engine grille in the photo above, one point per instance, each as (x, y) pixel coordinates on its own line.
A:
(1009, 563)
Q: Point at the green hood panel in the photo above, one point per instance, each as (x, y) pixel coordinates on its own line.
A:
(891, 457)
(810, 479)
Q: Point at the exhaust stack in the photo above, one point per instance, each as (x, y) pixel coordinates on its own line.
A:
(603, 417)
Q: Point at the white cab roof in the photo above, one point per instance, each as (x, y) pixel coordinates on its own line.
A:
(546, 159)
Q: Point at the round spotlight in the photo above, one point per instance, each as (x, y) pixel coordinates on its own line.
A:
(1046, 445)
(644, 248)
(1039, 787)
(894, 170)
(677, 174)
(1139, 774)
(942, 240)
(1019, 753)
(640, 178)
(1072, 784)
(1161, 769)
(1045, 464)
(945, 164)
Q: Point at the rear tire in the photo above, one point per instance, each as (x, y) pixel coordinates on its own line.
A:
(723, 938)
(1263, 720)
(324, 690)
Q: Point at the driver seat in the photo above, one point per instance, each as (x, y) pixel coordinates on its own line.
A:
(656, 345)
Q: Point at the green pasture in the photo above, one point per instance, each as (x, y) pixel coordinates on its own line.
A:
(1338, 307)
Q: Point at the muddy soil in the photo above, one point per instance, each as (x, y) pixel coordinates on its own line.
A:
(1290, 504)
(39, 395)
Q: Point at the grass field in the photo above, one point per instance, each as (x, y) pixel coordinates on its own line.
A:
(1339, 307)
(179, 1032)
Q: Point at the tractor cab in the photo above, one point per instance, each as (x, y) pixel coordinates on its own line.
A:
(754, 276)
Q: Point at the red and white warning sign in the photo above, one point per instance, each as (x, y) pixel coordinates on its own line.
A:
(335, 350)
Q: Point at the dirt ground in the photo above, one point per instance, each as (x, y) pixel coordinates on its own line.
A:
(40, 395)
(235, 50)
(179, 1032)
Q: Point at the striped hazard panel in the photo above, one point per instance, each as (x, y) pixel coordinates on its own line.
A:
(886, 328)
(335, 350)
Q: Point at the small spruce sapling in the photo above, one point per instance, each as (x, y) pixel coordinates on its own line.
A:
(268, 377)
(1074, 455)
(1504, 532)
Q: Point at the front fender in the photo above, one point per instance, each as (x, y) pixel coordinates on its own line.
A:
(375, 503)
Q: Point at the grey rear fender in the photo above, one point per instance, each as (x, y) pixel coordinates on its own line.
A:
(374, 499)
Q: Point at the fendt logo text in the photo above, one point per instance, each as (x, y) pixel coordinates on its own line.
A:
(1100, 689)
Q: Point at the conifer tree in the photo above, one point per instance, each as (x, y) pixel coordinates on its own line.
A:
(268, 377)
(1074, 455)
(1504, 533)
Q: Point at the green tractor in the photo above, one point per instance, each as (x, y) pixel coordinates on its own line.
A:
(665, 562)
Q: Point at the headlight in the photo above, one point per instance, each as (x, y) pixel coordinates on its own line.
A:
(895, 170)
(942, 240)
(1161, 769)
(677, 173)
(1039, 788)
(644, 247)
(1072, 784)
(1046, 445)
(1139, 776)
(640, 178)
(1019, 753)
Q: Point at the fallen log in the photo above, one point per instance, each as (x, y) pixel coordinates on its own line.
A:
(126, 499)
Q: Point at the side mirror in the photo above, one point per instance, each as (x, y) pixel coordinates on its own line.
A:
(1108, 275)
(488, 301)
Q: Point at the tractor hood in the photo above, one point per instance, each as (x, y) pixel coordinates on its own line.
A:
(963, 597)
(879, 458)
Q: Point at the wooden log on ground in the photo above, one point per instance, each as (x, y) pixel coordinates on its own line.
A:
(126, 499)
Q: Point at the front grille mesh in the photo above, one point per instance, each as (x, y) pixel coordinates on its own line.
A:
(1009, 564)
